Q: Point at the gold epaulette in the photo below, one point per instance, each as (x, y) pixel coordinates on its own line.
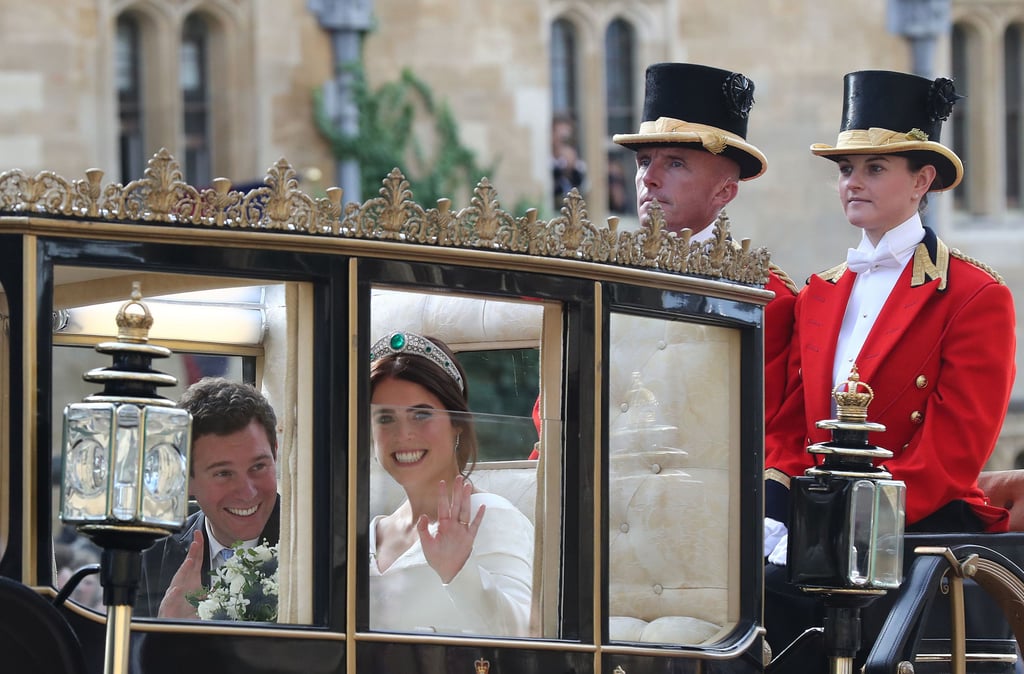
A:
(980, 265)
(783, 276)
(926, 269)
(832, 275)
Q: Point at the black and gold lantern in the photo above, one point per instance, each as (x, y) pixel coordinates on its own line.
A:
(124, 479)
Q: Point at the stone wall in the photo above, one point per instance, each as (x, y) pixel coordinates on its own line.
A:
(490, 62)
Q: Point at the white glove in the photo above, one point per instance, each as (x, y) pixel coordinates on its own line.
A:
(774, 530)
(779, 554)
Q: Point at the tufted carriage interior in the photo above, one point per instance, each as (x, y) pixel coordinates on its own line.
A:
(671, 453)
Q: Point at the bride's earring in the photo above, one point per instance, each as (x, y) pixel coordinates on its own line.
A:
(459, 435)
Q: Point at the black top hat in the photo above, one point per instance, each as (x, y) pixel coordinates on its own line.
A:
(685, 104)
(887, 112)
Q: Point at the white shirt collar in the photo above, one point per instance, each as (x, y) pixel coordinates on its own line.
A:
(705, 234)
(901, 240)
(214, 546)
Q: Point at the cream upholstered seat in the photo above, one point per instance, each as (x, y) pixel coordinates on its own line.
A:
(669, 488)
(665, 584)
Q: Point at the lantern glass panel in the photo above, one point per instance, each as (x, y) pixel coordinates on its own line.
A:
(125, 493)
(146, 486)
(87, 439)
(164, 483)
(862, 510)
(890, 517)
(876, 534)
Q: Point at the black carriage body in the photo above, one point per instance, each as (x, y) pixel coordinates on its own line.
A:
(589, 315)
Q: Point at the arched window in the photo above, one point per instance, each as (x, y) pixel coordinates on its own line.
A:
(620, 47)
(128, 56)
(960, 119)
(564, 89)
(195, 91)
(619, 58)
(1012, 87)
(568, 169)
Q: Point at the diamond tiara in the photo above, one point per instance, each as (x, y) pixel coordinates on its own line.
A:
(416, 345)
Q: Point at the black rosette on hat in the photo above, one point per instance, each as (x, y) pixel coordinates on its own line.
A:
(739, 94)
(941, 97)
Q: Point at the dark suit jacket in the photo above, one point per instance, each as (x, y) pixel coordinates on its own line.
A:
(161, 561)
(940, 359)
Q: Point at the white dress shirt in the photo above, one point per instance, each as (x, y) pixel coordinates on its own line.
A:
(872, 287)
(705, 234)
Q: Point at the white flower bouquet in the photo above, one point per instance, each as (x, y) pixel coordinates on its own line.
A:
(245, 588)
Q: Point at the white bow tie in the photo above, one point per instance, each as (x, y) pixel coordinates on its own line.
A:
(861, 262)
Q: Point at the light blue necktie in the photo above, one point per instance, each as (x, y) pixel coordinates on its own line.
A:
(224, 555)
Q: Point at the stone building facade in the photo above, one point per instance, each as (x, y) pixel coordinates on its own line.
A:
(75, 74)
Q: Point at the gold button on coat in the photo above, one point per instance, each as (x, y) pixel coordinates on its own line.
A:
(922, 381)
(916, 417)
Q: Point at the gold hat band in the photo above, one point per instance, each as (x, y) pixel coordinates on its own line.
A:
(712, 138)
(878, 137)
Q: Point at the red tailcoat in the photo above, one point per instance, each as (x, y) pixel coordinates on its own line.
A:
(940, 359)
(778, 334)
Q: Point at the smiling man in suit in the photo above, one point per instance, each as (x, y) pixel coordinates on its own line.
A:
(233, 478)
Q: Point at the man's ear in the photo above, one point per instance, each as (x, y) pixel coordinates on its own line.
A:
(727, 192)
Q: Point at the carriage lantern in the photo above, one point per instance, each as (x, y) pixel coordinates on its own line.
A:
(124, 473)
(846, 521)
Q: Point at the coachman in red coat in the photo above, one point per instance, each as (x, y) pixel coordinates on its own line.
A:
(929, 329)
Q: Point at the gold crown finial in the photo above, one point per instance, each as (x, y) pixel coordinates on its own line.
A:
(134, 319)
(482, 666)
(852, 398)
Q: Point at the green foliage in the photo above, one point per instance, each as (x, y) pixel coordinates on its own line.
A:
(503, 385)
(388, 138)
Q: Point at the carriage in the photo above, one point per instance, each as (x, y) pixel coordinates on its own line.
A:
(616, 377)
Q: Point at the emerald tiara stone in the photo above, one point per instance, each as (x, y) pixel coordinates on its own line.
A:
(416, 345)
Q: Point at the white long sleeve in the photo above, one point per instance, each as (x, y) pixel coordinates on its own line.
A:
(491, 595)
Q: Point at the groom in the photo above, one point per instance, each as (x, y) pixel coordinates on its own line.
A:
(233, 478)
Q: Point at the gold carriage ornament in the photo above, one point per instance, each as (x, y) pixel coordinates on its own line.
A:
(162, 197)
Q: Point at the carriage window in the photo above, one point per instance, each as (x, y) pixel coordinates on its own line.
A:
(425, 428)
(673, 442)
(242, 332)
